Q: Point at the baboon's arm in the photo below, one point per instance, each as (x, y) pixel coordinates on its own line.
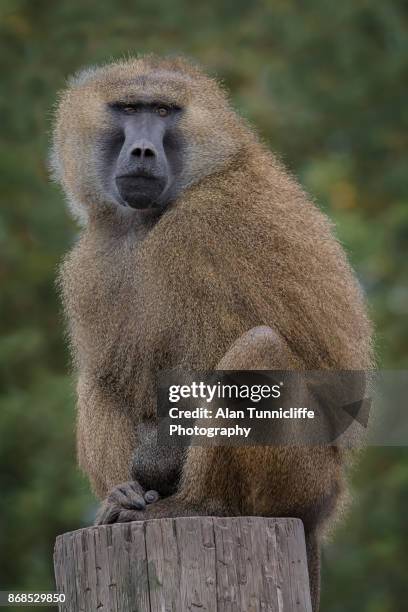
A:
(106, 438)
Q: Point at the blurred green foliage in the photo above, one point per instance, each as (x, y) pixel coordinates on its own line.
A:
(325, 83)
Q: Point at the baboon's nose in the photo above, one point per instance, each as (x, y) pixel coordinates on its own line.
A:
(143, 150)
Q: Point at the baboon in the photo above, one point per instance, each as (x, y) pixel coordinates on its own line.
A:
(198, 250)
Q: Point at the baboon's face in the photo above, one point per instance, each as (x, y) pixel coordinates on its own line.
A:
(136, 134)
(142, 154)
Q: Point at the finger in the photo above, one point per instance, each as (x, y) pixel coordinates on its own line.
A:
(151, 497)
(128, 499)
(136, 487)
(108, 515)
(126, 516)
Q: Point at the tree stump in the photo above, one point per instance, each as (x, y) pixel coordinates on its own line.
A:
(194, 564)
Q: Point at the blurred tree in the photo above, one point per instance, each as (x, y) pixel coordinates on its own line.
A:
(325, 83)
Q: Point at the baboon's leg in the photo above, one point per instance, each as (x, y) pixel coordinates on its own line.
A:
(212, 476)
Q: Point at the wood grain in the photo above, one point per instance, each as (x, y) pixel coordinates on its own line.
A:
(194, 564)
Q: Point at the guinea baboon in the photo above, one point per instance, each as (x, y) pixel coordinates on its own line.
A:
(198, 250)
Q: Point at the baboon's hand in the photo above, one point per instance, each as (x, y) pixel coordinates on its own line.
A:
(123, 498)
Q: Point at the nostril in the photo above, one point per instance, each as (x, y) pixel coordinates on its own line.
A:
(143, 152)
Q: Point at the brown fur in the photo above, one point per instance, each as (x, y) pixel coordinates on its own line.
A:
(243, 246)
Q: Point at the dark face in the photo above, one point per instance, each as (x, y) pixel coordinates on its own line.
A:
(143, 155)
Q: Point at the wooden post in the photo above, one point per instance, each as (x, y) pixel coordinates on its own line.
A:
(200, 564)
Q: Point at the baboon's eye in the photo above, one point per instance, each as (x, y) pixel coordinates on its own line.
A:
(130, 109)
(163, 111)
